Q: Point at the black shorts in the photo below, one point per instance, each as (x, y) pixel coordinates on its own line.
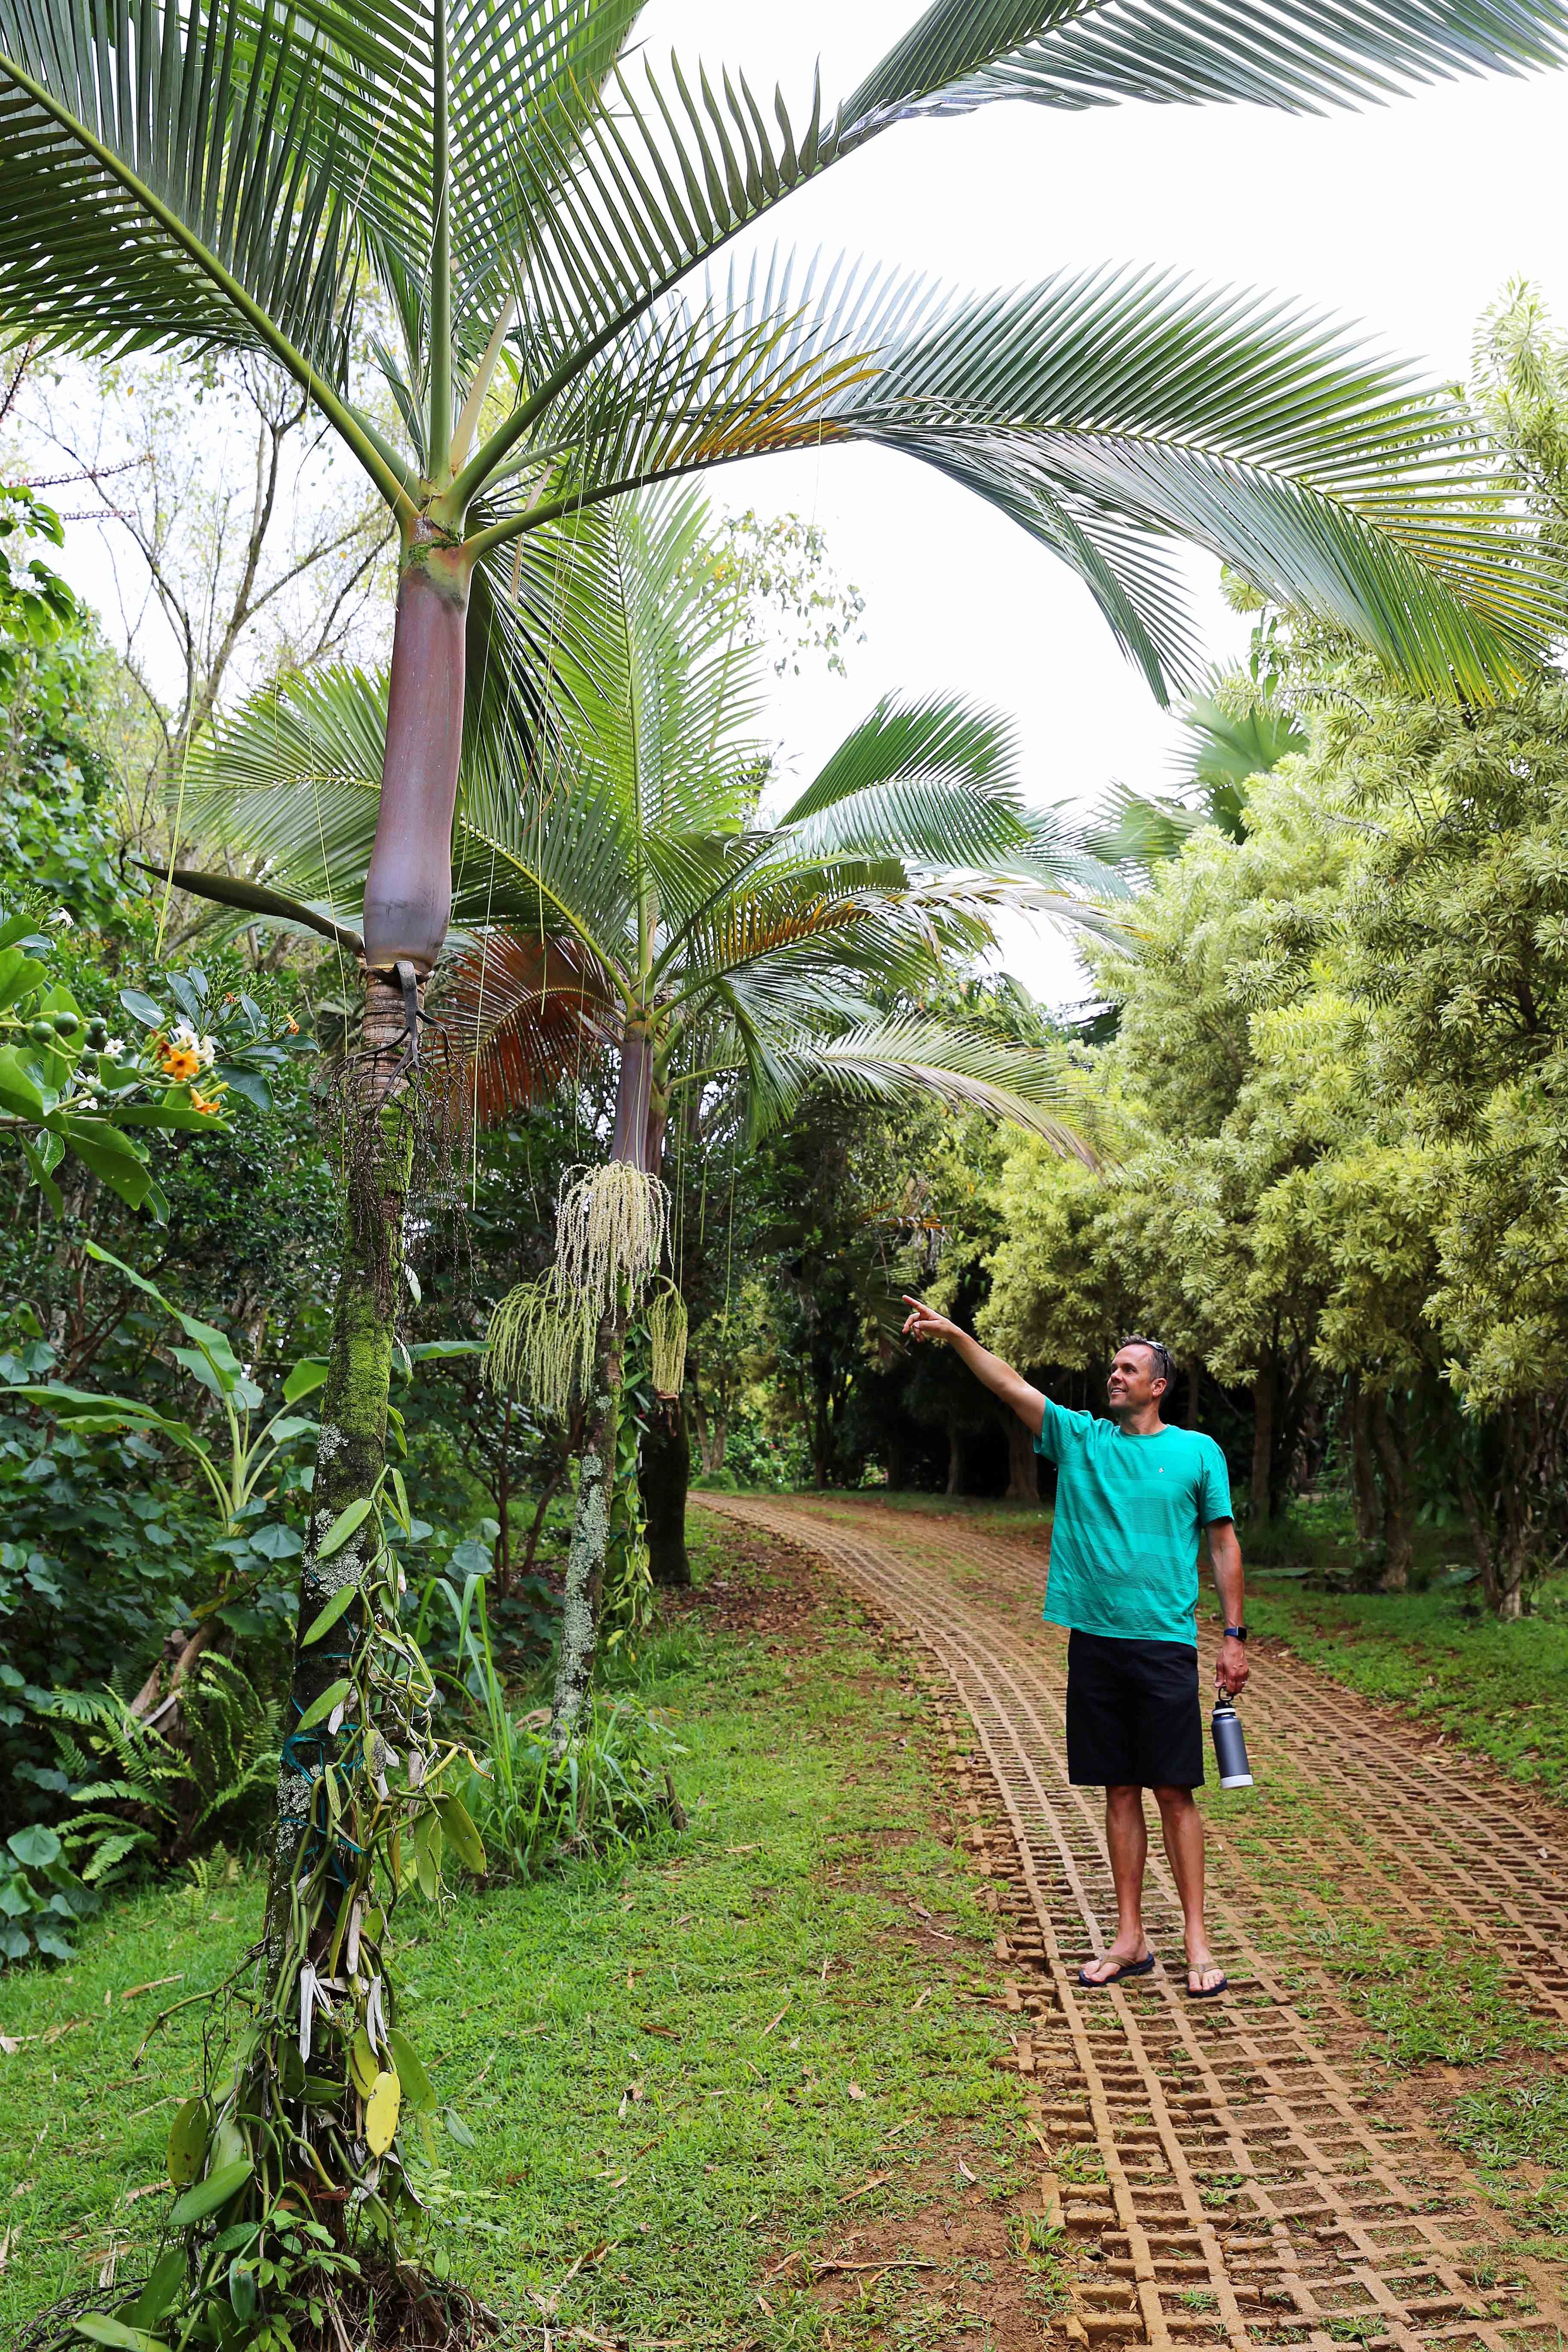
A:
(1133, 1715)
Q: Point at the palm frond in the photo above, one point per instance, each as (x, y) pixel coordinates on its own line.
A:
(899, 1060)
(175, 175)
(1225, 747)
(516, 1016)
(1110, 413)
(1300, 55)
(292, 782)
(933, 780)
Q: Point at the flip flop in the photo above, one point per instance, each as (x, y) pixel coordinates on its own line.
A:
(1127, 1968)
(1206, 1992)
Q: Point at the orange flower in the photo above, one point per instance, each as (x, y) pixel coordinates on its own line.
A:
(180, 1063)
(293, 1027)
(205, 1103)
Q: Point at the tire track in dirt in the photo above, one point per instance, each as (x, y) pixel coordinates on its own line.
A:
(1240, 2163)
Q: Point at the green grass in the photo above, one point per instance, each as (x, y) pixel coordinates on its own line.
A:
(1499, 1690)
(1515, 2136)
(673, 2073)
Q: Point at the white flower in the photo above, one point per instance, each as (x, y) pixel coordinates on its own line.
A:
(186, 1040)
(114, 1047)
(64, 917)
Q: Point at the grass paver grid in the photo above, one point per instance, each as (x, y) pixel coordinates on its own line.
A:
(1261, 2185)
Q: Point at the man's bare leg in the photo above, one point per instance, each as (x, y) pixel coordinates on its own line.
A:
(1127, 1836)
(1184, 1830)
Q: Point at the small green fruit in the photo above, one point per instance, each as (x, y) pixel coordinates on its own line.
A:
(66, 1024)
(97, 1034)
(42, 1033)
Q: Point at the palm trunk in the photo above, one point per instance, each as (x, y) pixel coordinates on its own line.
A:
(408, 888)
(352, 1448)
(664, 1477)
(585, 1591)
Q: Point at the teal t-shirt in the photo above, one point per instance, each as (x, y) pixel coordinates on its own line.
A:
(1129, 1511)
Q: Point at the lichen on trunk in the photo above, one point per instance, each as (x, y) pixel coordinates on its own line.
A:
(584, 1598)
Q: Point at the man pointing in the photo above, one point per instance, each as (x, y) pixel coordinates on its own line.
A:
(1133, 1496)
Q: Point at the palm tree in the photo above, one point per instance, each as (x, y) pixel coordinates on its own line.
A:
(633, 903)
(538, 220)
(1234, 732)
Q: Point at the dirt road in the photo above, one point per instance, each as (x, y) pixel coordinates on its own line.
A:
(1249, 2171)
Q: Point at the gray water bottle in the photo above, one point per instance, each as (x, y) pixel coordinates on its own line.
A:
(1229, 1746)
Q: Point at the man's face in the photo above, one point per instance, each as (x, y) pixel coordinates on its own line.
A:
(1133, 1385)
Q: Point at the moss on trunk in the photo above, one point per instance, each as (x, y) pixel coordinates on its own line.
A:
(352, 1448)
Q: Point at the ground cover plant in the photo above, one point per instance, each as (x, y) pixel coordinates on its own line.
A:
(664, 2077)
(1498, 1688)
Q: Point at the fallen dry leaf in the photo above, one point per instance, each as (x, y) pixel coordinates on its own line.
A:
(972, 2177)
(8, 2045)
(878, 2181)
(151, 1986)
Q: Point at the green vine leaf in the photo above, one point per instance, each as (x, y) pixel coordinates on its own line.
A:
(458, 1825)
(207, 2196)
(188, 2142)
(99, 2328)
(325, 1619)
(352, 1516)
(417, 2088)
(319, 1710)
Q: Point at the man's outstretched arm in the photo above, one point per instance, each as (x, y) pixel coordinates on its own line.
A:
(925, 1323)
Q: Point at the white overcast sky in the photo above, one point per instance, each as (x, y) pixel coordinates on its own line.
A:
(1409, 217)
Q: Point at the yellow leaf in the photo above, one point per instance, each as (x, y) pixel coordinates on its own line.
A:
(362, 2060)
(381, 2112)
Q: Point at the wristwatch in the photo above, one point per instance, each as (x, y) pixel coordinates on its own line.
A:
(1235, 1632)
